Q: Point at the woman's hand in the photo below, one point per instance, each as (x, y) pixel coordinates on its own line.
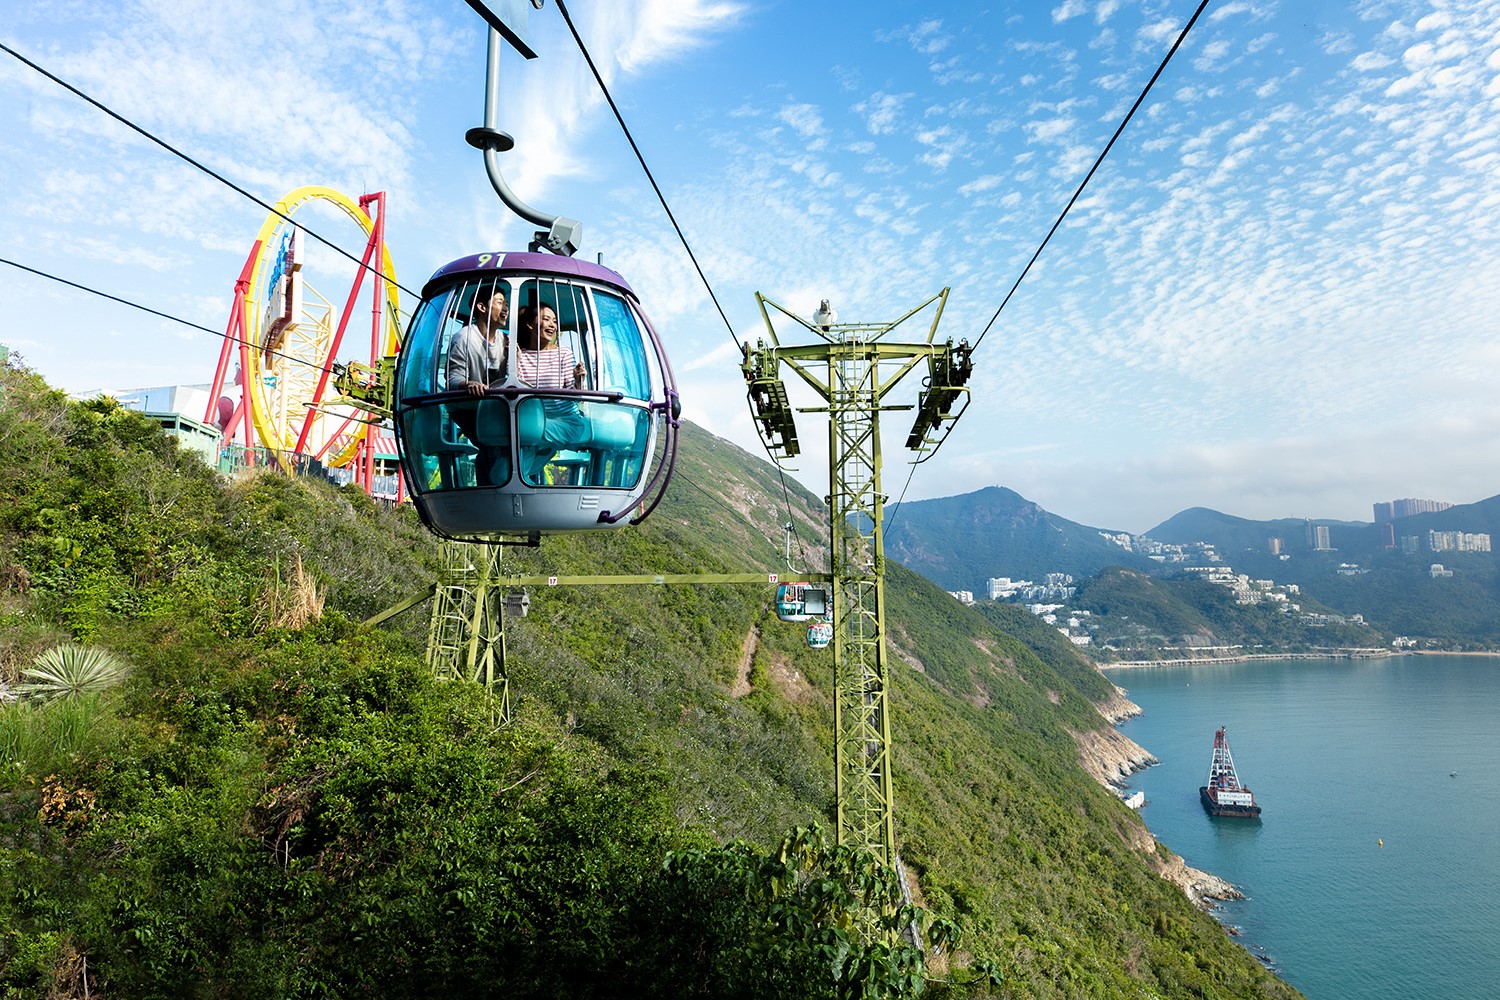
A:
(474, 388)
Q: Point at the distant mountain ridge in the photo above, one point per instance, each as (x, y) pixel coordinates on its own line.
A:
(1233, 535)
(960, 542)
(1228, 532)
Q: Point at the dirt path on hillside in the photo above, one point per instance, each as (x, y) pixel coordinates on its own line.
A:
(747, 656)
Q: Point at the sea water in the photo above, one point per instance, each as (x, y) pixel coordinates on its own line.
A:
(1374, 870)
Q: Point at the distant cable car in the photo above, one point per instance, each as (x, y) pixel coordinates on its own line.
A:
(533, 395)
(797, 602)
(819, 634)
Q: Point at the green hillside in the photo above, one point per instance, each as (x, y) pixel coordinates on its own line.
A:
(278, 803)
(1143, 616)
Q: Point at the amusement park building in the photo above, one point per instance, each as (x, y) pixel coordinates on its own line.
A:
(179, 409)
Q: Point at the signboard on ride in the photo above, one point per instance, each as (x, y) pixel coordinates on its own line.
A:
(283, 294)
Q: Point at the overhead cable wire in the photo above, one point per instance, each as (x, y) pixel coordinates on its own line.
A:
(1108, 146)
(598, 78)
(891, 524)
(786, 496)
(679, 474)
(671, 217)
(206, 169)
(1181, 36)
(158, 312)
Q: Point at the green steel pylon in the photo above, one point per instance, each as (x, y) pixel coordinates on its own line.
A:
(853, 368)
(466, 634)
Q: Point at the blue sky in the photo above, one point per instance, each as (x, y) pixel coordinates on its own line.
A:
(1278, 297)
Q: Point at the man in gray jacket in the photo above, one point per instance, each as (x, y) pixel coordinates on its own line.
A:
(476, 361)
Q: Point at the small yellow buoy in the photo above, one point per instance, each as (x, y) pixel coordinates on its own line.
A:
(1380, 842)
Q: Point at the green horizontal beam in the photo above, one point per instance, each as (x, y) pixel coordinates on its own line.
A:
(663, 578)
(639, 579)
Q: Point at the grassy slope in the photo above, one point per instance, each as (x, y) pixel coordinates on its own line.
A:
(629, 687)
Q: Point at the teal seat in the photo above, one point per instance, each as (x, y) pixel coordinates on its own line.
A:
(613, 429)
(433, 441)
(618, 439)
(492, 435)
(492, 424)
(553, 432)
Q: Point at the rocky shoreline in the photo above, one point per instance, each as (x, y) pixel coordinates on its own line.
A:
(1109, 757)
(1332, 654)
(1202, 888)
(1328, 654)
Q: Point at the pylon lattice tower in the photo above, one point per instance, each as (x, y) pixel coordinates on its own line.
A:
(466, 634)
(853, 368)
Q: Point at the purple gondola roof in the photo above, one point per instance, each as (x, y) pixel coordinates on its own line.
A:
(538, 263)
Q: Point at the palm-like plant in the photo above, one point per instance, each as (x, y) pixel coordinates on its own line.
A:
(67, 670)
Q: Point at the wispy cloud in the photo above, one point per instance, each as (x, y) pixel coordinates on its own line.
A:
(804, 118)
(1297, 237)
(880, 111)
(649, 32)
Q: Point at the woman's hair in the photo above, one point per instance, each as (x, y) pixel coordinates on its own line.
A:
(528, 327)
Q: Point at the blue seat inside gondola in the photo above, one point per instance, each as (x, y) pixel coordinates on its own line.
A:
(492, 435)
(432, 435)
(595, 443)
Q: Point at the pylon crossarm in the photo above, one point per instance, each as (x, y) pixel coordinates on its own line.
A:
(762, 301)
(867, 351)
(838, 332)
(801, 359)
(807, 375)
(638, 579)
(890, 383)
(869, 331)
(938, 316)
(941, 298)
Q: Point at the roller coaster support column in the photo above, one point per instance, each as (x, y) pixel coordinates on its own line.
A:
(853, 369)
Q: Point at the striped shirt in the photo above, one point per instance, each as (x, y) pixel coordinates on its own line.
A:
(546, 369)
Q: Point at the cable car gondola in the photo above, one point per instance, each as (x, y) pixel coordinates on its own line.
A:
(798, 602)
(532, 395)
(819, 634)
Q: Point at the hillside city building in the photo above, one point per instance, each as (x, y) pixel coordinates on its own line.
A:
(1389, 510)
(1458, 541)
